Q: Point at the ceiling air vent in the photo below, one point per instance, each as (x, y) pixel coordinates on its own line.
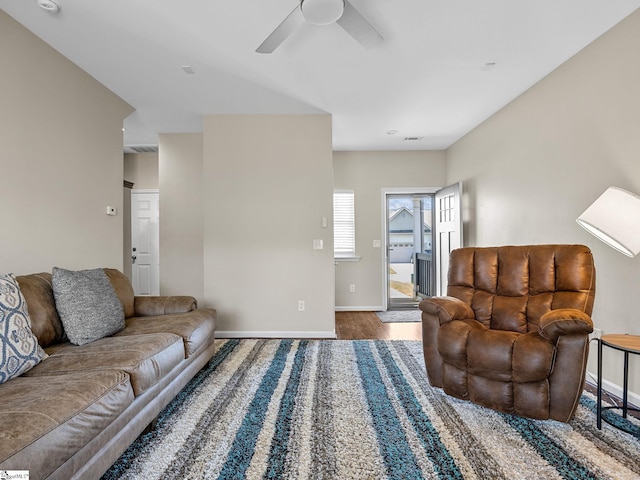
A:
(140, 149)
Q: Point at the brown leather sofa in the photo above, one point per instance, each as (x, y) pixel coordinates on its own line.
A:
(512, 332)
(73, 414)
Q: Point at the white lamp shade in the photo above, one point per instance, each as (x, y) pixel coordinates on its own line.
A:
(615, 219)
(322, 12)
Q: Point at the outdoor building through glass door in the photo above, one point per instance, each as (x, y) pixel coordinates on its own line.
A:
(409, 248)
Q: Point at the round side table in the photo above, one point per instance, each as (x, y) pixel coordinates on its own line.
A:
(629, 344)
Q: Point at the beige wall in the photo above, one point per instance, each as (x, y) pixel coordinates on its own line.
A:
(267, 184)
(367, 173)
(181, 219)
(61, 159)
(531, 169)
(142, 170)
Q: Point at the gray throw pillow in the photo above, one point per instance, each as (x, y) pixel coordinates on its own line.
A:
(87, 304)
(19, 349)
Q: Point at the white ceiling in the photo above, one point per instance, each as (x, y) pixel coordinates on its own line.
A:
(444, 65)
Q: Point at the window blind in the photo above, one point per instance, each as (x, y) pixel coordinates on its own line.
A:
(344, 229)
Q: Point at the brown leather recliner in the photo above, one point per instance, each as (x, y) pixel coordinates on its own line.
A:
(512, 334)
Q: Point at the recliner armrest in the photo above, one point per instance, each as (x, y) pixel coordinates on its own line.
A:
(447, 308)
(564, 321)
(163, 305)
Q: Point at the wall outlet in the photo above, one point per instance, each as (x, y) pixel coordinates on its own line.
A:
(597, 333)
(376, 244)
(352, 288)
(301, 305)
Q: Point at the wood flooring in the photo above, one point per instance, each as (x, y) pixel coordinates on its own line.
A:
(367, 326)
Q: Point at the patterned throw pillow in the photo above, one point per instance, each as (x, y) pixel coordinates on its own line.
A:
(87, 304)
(19, 350)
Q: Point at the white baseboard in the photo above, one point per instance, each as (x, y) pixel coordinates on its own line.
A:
(274, 334)
(368, 308)
(612, 388)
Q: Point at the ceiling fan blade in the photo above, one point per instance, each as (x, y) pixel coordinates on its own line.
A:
(282, 31)
(358, 27)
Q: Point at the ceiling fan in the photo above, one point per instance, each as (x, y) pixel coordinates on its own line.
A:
(323, 12)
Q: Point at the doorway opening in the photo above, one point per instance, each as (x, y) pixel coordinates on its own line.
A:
(410, 272)
(422, 227)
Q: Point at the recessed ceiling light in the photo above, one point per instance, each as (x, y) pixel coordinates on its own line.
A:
(488, 66)
(49, 5)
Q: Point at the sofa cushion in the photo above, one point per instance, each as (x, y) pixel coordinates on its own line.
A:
(19, 348)
(87, 303)
(146, 358)
(44, 423)
(196, 328)
(163, 305)
(123, 289)
(45, 321)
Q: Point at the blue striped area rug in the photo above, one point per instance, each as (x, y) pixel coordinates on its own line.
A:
(329, 409)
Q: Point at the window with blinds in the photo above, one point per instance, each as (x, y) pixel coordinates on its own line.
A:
(344, 223)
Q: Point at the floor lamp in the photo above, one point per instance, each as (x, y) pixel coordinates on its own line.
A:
(615, 219)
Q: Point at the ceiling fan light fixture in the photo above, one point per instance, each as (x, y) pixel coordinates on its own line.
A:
(49, 5)
(322, 12)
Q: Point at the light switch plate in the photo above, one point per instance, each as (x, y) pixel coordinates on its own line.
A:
(318, 244)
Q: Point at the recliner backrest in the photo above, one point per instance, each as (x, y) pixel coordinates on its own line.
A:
(511, 287)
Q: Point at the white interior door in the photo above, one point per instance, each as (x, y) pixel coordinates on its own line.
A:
(448, 230)
(145, 242)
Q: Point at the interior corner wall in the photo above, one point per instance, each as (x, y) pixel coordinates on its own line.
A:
(534, 167)
(367, 173)
(181, 217)
(142, 170)
(61, 160)
(268, 183)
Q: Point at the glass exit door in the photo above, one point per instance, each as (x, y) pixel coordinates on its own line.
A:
(409, 249)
